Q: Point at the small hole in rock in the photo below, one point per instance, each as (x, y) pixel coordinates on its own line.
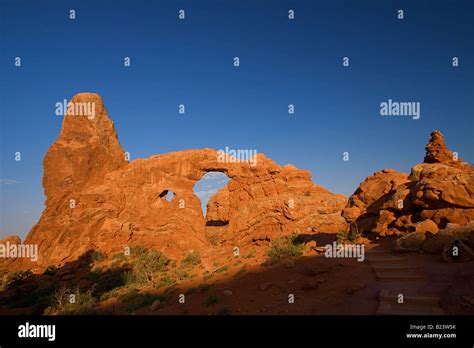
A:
(168, 195)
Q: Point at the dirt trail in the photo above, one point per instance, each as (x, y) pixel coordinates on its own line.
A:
(418, 283)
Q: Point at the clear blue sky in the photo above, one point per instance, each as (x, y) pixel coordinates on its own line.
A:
(282, 62)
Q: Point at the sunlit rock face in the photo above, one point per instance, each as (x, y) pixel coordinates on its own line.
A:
(97, 200)
(437, 192)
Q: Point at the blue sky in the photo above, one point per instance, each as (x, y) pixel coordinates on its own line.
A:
(209, 184)
(282, 62)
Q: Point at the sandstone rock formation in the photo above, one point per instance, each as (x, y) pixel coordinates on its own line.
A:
(97, 200)
(437, 192)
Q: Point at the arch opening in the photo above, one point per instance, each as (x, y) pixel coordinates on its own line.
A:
(167, 195)
(208, 185)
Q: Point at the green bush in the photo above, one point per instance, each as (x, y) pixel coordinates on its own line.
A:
(165, 281)
(119, 257)
(110, 294)
(133, 300)
(180, 274)
(50, 271)
(350, 236)
(211, 300)
(145, 266)
(38, 300)
(83, 303)
(414, 176)
(13, 280)
(222, 269)
(282, 248)
(343, 237)
(97, 256)
(203, 287)
(192, 259)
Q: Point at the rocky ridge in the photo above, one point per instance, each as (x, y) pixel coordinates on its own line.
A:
(97, 200)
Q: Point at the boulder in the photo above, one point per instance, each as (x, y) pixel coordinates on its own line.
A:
(155, 305)
(426, 226)
(436, 244)
(438, 192)
(462, 232)
(410, 242)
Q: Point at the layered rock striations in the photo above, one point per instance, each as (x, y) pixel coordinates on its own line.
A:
(437, 192)
(97, 200)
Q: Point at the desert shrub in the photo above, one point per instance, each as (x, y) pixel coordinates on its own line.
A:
(130, 278)
(192, 259)
(190, 291)
(3, 280)
(38, 300)
(222, 269)
(119, 257)
(343, 237)
(240, 272)
(203, 287)
(3, 275)
(138, 251)
(13, 280)
(105, 281)
(414, 176)
(132, 300)
(18, 277)
(145, 266)
(350, 236)
(165, 281)
(50, 271)
(63, 303)
(110, 294)
(211, 300)
(180, 274)
(97, 256)
(93, 275)
(282, 248)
